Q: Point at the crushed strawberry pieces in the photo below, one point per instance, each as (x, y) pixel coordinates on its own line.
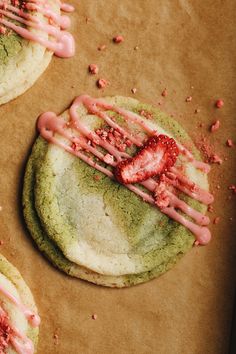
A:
(232, 188)
(114, 137)
(215, 126)
(118, 39)
(164, 93)
(5, 331)
(229, 143)
(219, 103)
(158, 154)
(93, 69)
(102, 83)
(146, 114)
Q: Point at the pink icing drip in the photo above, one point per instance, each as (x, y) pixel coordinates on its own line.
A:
(64, 45)
(49, 123)
(20, 342)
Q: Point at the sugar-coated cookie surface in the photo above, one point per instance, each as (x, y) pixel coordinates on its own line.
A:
(93, 227)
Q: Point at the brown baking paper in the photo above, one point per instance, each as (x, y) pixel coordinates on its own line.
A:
(189, 48)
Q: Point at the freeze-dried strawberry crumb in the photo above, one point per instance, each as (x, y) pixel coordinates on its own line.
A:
(134, 90)
(102, 47)
(232, 188)
(216, 159)
(5, 331)
(164, 93)
(216, 220)
(94, 316)
(210, 208)
(188, 99)
(215, 126)
(161, 198)
(197, 110)
(146, 114)
(102, 83)
(118, 39)
(229, 143)
(93, 69)
(75, 146)
(219, 103)
(108, 158)
(3, 30)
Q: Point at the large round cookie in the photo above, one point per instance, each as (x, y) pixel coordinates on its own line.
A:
(16, 316)
(22, 61)
(122, 240)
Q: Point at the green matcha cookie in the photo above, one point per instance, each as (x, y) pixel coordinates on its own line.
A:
(21, 61)
(94, 228)
(22, 317)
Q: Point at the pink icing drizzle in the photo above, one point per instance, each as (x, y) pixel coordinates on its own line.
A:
(63, 45)
(21, 342)
(49, 124)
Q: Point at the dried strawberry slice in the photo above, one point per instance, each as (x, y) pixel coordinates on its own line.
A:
(157, 155)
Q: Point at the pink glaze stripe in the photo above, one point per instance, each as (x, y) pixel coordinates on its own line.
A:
(19, 341)
(63, 45)
(49, 123)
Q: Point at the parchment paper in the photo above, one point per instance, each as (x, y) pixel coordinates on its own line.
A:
(189, 48)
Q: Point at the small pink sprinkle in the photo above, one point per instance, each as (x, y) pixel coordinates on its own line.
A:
(93, 69)
(215, 126)
(216, 220)
(219, 103)
(94, 316)
(102, 47)
(134, 90)
(229, 143)
(189, 99)
(164, 93)
(118, 39)
(102, 83)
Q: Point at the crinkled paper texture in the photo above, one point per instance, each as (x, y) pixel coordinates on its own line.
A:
(189, 48)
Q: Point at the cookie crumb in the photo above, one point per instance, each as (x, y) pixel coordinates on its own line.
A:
(219, 103)
(93, 69)
(229, 143)
(215, 126)
(136, 48)
(134, 90)
(197, 110)
(102, 83)
(118, 39)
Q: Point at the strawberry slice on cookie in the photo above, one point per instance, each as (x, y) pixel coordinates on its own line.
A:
(157, 156)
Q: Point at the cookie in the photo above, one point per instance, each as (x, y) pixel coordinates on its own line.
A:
(19, 320)
(29, 35)
(90, 225)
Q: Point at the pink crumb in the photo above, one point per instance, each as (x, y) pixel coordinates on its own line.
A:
(197, 110)
(97, 178)
(216, 220)
(189, 99)
(93, 69)
(118, 39)
(134, 90)
(108, 159)
(210, 208)
(229, 143)
(215, 126)
(2, 30)
(164, 92)
(102, 83)
(232, 188)
(216, 159)
(219, 103)
(94, 316)
(102, 47)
